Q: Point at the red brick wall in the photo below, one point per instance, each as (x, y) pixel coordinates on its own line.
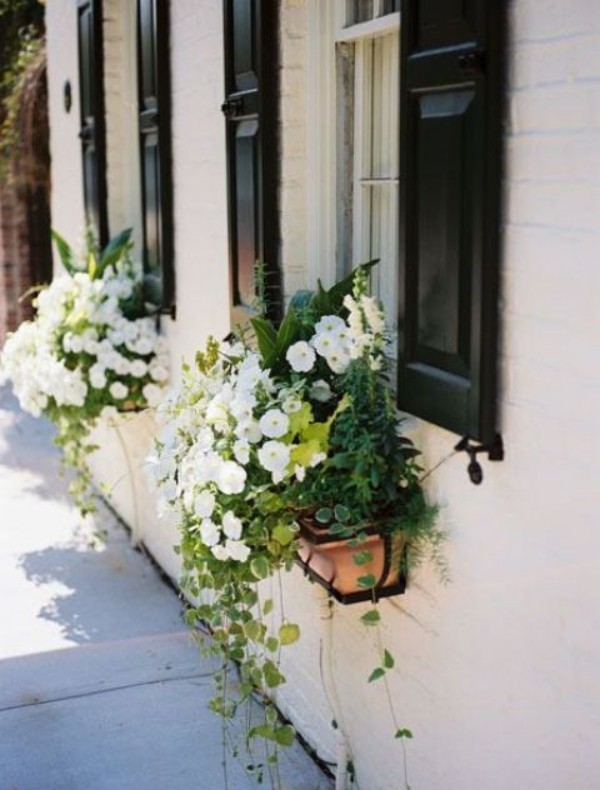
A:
(25, 252)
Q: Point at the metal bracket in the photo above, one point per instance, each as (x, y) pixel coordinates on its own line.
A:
(231, 108)
(494, 449)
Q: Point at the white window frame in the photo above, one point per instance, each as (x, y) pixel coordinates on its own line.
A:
(326, 31)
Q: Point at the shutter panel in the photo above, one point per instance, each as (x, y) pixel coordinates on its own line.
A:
(250, 108)
(155, 150)
(450, 142)
(91, 99)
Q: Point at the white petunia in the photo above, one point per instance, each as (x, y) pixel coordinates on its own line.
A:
(97, 376)
(209, 532)
(232, 525)
(153, 394)
(76, 344)
(338, 361)
(320, 391)
(241, 451)
(249, 430)
(274, 456)
(138, 368)
(159, 373)
(220, 552)
(118, 390)
(204, 504)
(274, 423)
(300, 472)
(291, 405)
(301, 357)
(231, 478)
(329, 323)
(325, 344)
(237, 550)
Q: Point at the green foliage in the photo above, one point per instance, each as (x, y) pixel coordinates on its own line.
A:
(21, 42)
(71, 364)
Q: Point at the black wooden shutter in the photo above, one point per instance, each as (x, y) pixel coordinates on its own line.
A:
(250, 107)
(91, 100)
(450, 140)
(155, 150)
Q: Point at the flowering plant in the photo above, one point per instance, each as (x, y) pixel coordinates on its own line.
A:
(90, 351)
(273, 424)
(229, 442)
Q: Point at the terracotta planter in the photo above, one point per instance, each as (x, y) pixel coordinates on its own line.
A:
(329, 561)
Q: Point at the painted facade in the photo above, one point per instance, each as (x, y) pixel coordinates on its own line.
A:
(497, 672)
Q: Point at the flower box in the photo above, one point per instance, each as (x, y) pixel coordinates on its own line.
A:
(330, 561)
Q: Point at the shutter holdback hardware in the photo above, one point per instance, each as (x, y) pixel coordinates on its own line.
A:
(494, 449)
(232, 107)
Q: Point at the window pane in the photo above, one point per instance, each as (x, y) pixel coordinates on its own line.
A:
(389, 6)
(359, 11)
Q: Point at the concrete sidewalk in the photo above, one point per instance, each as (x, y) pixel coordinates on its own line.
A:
(101, 686)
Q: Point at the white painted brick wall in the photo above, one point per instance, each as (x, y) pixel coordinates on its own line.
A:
(67, 191)
(292, 194)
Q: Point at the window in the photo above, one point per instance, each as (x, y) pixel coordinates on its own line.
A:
(154, 102)
(412, 98)
(91, 100)
(367, 52)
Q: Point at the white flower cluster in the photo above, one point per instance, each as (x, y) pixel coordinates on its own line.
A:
(226, 434)
(339, 341)
(81, 348)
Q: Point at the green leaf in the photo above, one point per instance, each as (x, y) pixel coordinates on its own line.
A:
(372, 617)
(273, 676)
(301, 299)
(267, 606)
(262, 731)
(339, 529)
(285, 735)
(260, 567)
(114, 250)
(255, 630)
(301, 419)
(362, 557)
(366, 582)
(65, 253)
(341, 512)
(403, 733)
(339, 290)
(266, 337)
(284, 534)
(289, 633)
(376, 674)
(324, 515)
(304, 452)
(289, 331)
(388, 660)
(272, 644)
(92, 266)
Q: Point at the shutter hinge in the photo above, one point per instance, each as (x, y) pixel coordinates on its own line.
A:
(494, 449)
